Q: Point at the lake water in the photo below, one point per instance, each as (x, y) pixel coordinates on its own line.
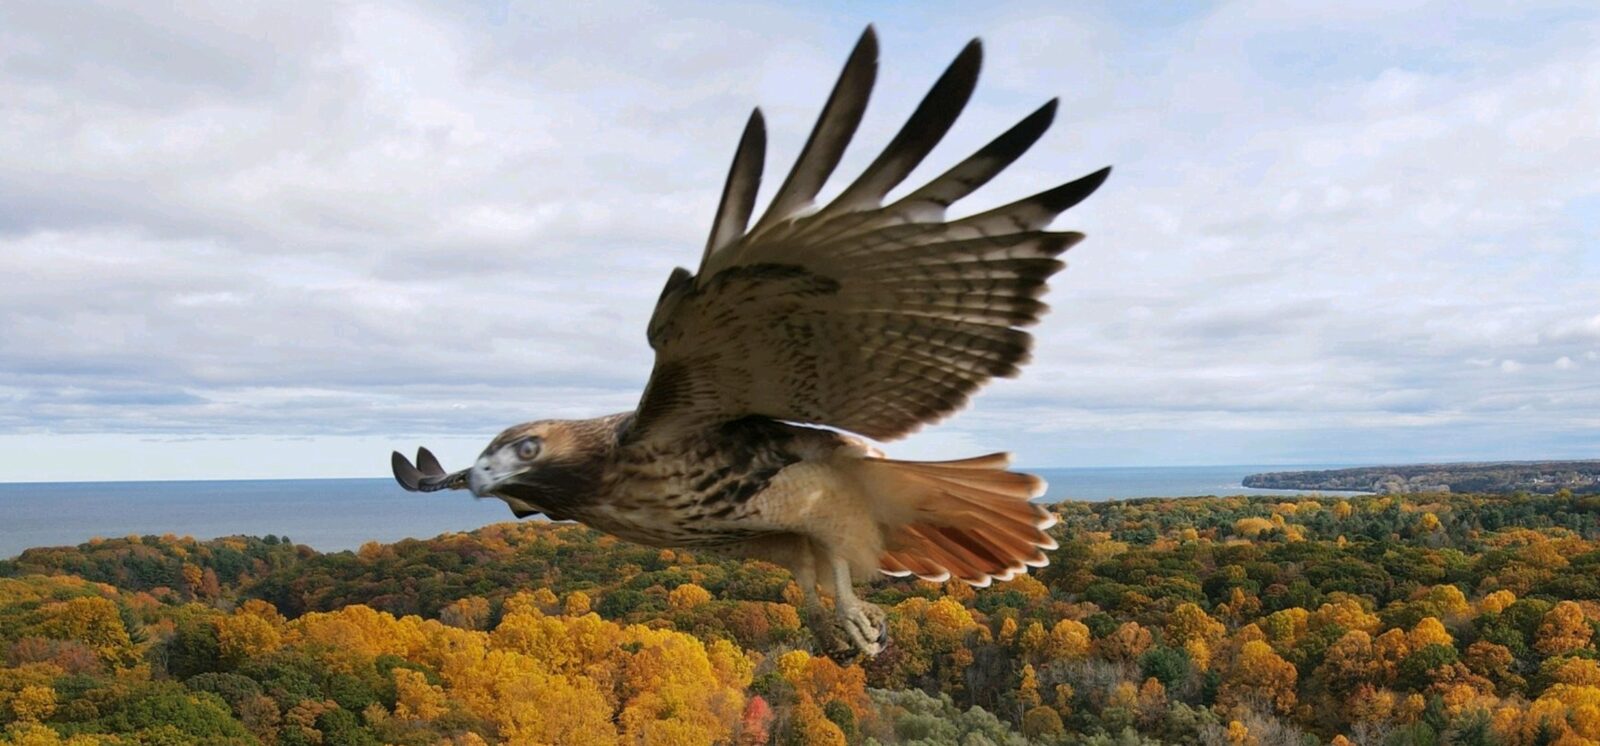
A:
(335, 514)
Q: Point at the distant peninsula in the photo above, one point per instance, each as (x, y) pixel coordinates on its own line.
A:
(1545, 477)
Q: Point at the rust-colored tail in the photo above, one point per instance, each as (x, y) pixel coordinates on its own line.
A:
(968, 519)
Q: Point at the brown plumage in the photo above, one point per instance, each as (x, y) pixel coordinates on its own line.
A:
(858, 316)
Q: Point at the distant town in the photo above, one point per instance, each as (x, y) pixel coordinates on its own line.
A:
(1545, 477)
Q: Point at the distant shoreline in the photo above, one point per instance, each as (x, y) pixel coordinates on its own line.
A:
(1496, 477)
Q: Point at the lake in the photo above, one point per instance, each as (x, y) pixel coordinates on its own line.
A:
(336, 514)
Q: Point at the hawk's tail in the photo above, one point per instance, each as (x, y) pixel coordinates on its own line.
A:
(968, 519)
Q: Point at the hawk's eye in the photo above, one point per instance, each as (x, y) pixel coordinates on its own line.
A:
(528, 448)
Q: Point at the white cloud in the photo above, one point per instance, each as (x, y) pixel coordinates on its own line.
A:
(382, 220)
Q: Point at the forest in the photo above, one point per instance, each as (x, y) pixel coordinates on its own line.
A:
(1374, 620)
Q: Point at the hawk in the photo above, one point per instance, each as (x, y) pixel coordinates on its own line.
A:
(800, 333)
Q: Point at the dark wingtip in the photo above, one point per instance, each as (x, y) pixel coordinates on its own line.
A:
(966, 65)
(867, 44)
(1063, 197)
(1055, 244)
(973, 48)
(1093, 181)
(404, 473)
(1032, 127)
(756, 131)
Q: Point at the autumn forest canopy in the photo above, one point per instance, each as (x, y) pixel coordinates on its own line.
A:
(1374, 620)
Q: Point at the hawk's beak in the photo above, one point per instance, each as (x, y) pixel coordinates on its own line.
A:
(492, 471)
(481, 479)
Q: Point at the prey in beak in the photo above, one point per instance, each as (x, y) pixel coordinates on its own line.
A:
(428, 475)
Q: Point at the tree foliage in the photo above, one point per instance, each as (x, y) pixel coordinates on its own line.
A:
(1364, 620)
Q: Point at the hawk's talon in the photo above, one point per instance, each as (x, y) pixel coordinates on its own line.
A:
(880, 620)
(867, 634)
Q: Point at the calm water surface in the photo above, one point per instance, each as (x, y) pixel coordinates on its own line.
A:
(335, 514)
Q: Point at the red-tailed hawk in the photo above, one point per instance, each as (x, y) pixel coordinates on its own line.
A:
(857, 316)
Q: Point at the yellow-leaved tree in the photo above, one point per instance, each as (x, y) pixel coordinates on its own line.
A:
(1496, 602)
(673, 694)
(1259, 678)
(93, 621)
(1069, 640)
(1190, 622)
(1349, 664)
(1563, 630)
(34, 703)
(243, 636)
(576, 604)
(416, 699)
(1346, 613)
(688, 596)
(1126, 643)
(1428, 631)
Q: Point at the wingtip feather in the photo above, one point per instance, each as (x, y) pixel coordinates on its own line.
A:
(1040, 486)
(835, 127)
(1048, 521)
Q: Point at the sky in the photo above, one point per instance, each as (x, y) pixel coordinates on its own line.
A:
(280, 240)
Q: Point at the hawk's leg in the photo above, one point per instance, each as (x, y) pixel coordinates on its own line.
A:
(863, 623)
(816, 617)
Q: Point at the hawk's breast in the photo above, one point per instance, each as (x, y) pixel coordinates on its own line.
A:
(698, 491)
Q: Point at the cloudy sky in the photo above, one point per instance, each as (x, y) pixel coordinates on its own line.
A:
(279, 240)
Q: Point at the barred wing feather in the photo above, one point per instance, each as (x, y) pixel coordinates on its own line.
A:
(866, 317)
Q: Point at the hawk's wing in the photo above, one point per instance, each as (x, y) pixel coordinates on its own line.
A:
(869, 318)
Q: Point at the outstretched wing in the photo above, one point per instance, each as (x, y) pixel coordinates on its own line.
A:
(862, 316)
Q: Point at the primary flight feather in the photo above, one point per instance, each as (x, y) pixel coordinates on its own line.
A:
(856, 316)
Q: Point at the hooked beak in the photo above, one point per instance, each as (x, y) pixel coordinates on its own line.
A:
(493, 470)
(480, 478)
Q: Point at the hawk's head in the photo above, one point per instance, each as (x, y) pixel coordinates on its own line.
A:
(548, 465)
(545, 466)
(524, 455)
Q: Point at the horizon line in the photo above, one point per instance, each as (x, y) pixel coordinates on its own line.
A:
(1319, 466)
